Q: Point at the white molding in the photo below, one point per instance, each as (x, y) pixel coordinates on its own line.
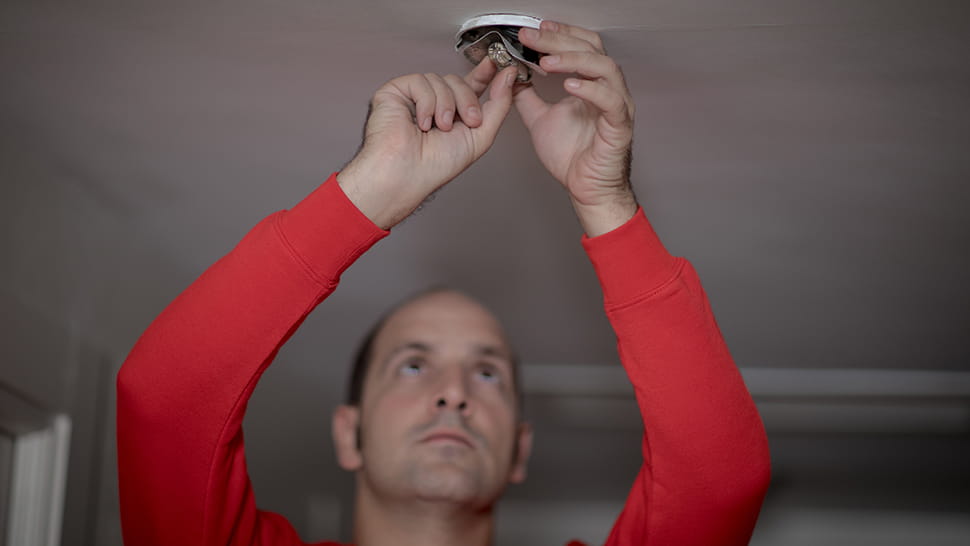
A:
(39, 481)
(856, 383)
(864, 401)
(611, 381)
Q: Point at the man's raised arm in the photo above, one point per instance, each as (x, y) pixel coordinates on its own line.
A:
(183, 390)
(706, 464)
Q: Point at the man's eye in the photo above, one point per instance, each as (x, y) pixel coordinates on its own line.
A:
(413, 366)
(489, 374)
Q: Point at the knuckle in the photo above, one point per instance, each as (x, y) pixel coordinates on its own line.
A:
(619, 71)
(619, 104)
(610, 65)
(457, 83)
(593, 38)
(577, 58)
(400, 81)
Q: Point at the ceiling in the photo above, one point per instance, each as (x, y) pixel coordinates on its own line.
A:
(809, 157)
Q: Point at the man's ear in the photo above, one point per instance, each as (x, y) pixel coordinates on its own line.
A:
(522, 452)
(345, 428)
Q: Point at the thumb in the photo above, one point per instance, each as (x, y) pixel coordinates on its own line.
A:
(530, 106)
(496, 108)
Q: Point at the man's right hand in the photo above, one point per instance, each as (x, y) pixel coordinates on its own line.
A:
(421, 132)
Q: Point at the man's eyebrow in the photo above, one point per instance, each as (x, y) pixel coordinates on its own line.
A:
(492, 350)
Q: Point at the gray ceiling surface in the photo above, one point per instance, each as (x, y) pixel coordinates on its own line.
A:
(809, 157)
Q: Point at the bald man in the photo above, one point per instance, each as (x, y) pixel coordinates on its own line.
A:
(432, 428)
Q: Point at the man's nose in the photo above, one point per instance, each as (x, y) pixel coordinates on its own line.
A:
(453, 393)
(443, 403)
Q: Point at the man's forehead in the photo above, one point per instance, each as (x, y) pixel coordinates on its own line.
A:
(499, 350)
(445, 317)
(444, 306)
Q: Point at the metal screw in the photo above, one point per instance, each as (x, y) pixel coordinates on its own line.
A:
(500, 56)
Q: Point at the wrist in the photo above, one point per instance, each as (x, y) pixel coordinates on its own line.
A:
(361, 187)
(606, 214)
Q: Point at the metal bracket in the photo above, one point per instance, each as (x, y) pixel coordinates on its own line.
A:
(497, 37)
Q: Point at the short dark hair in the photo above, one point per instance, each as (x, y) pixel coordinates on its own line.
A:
(365, 351)
(362, 357)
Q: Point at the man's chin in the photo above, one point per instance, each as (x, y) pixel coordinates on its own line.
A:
(447, 481)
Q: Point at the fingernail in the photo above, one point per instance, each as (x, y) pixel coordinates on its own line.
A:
(474, 112)
(551, 25)
(529, 33)
(510, 78)
(426, 124)
(572, 84)
(447, 117)
(552, 59)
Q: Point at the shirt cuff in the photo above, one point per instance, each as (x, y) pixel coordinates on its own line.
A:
(327, 231)
(630, 261)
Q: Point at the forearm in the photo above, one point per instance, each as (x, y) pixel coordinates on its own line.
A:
(704, 444)
(183, 389)
(705, 452)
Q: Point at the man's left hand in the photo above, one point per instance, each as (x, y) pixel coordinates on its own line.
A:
(585, 139)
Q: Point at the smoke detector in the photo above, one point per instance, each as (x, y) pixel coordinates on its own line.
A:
(496, 35)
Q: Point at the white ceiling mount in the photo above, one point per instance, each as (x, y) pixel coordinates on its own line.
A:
(499, 19)
(495, 35)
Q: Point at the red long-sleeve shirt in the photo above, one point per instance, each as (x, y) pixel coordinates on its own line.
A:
(183, 390)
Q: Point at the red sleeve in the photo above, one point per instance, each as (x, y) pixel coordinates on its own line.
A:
(183, 390)
(706, 465)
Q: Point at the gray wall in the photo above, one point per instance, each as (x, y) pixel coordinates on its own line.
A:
(77, 284)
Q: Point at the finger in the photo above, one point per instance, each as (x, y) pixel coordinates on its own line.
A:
(495, 109)
(480, 76)
(589, 65)
(417, 89)
(466, 101)
(530, 105)
(609, 102)
(548, 41)
(584, 63)
(444, 108)
(579, 32)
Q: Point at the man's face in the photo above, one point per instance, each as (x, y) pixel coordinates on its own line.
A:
(438, 417)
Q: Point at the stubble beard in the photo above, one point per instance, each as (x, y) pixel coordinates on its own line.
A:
(449, 474)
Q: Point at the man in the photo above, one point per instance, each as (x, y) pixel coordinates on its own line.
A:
(432, 430)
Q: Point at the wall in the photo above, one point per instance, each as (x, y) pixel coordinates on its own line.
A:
(77, 284)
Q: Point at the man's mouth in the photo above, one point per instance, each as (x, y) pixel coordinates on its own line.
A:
(448, 436)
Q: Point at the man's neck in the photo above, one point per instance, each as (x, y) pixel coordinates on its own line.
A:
(381, 522)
